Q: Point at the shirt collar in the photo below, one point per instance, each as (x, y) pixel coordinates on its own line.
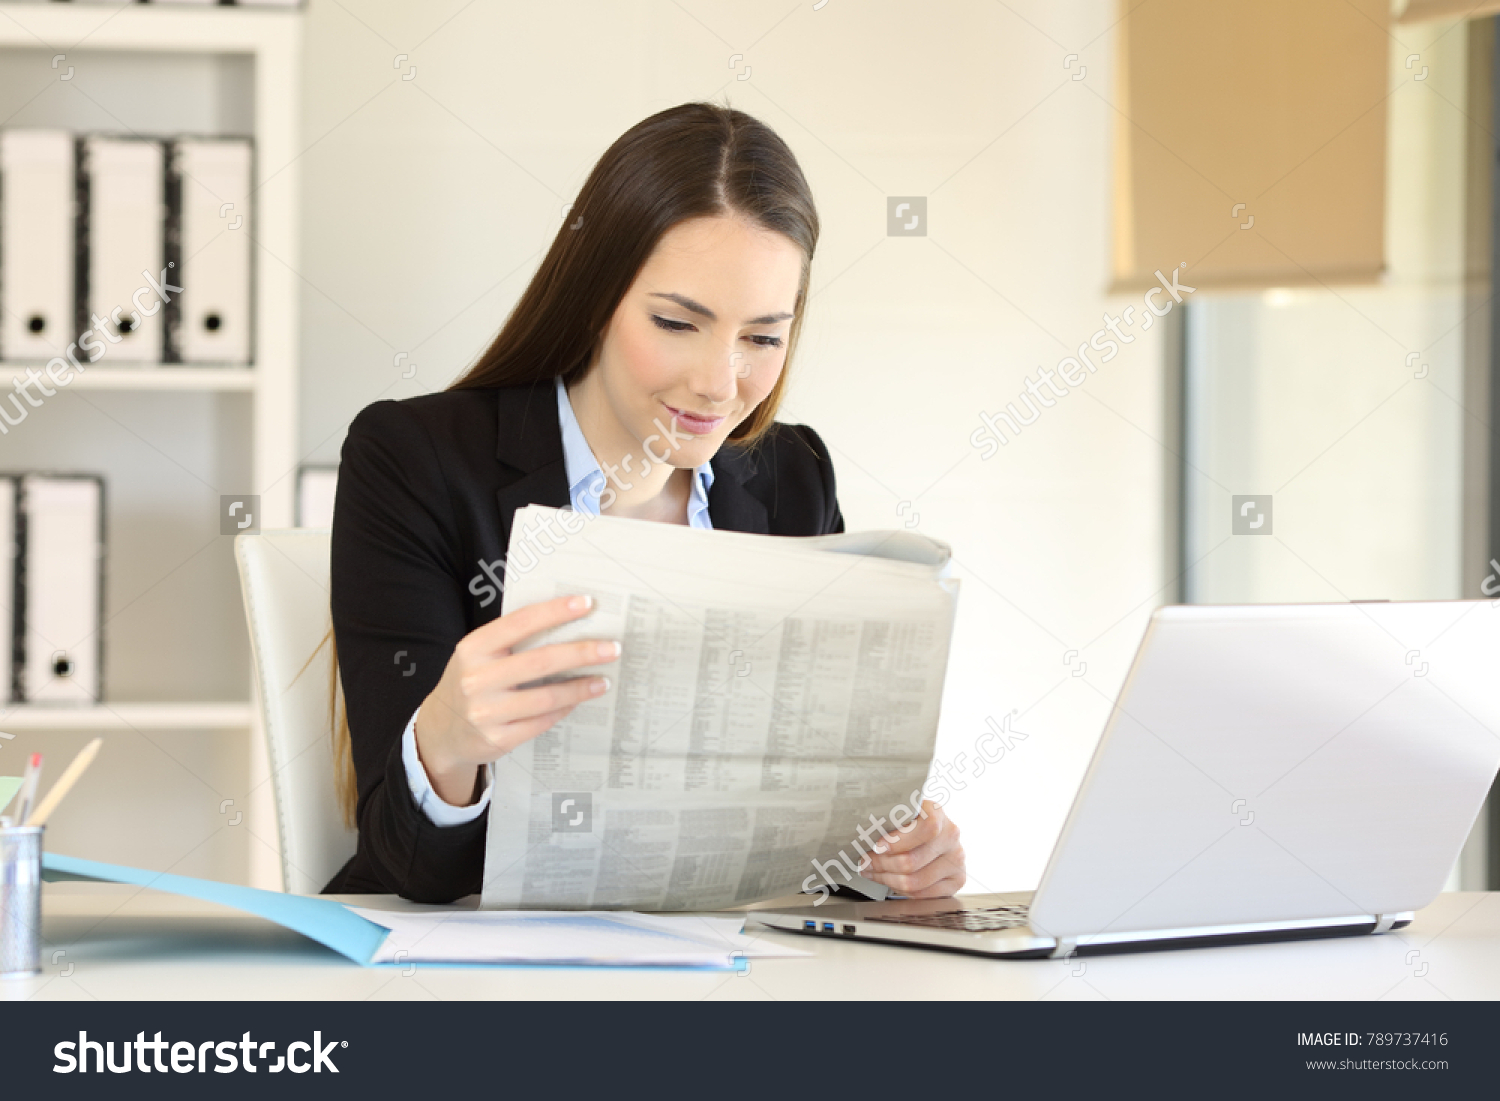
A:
(586, 480)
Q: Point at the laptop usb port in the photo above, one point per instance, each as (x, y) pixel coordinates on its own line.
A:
(828, 927)
(848, 930)
(812, 925)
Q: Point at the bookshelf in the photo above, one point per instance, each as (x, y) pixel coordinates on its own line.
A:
(167, 377)
(147, 68)
(233, 715)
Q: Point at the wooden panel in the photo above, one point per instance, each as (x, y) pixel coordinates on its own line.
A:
(1250, 142)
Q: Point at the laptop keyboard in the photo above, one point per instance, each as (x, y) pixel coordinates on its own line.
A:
(985, 920)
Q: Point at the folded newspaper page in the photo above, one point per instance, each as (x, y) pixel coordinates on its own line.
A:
(774, 695)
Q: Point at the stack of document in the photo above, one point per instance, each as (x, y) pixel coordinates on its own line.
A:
(597, 938)
(774, 697)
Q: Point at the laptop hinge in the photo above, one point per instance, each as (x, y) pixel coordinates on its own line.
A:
(1383, 922)
(1066, 946)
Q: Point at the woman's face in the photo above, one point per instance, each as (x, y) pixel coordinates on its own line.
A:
(699, 338)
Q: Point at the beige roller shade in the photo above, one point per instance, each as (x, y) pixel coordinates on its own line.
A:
(1418, 11)
(1250, 142)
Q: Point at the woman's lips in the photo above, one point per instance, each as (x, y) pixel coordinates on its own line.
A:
(693, 423)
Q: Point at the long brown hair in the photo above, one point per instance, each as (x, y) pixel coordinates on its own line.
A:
(690, 161)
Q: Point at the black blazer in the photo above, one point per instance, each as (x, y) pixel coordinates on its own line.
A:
(427, 489)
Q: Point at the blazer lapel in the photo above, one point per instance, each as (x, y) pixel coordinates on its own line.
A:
(732, 507)
(529, 441)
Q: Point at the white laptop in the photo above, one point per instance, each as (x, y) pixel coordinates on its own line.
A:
(1268, 772)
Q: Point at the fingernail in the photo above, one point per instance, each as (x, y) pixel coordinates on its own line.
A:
(600, 686)
(864, 863)
(881, 846)
(609, 649)
(581, 602)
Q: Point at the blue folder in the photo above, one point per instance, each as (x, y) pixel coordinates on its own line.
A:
(324, 920)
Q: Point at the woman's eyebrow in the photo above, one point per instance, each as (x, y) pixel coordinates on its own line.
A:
(698, 308)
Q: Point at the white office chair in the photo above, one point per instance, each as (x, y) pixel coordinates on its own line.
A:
(284, 578)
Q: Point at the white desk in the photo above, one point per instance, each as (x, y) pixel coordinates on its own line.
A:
(126, 943)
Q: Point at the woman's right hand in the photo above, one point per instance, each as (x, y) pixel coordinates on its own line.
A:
(477, 714)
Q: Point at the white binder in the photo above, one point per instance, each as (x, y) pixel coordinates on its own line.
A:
(62, 587)
(214, 320)
(126, 238)
(8, 617)
(36, 243)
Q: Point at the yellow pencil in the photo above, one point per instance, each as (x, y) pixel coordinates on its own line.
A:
(65, 782)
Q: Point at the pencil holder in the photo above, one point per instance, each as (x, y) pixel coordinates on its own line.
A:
(20, 901)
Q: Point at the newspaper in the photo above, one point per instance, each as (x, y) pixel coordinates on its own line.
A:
(772, 694)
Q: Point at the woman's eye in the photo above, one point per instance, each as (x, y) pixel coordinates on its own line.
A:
(767, 341)
(670, 325)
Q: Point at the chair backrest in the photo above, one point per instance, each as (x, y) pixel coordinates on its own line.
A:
(284, 579)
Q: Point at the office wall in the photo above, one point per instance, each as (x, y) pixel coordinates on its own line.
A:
(428, 202)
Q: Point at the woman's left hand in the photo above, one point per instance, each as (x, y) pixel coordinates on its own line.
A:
(925, 862)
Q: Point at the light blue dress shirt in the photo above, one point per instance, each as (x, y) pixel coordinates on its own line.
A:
(586, 483)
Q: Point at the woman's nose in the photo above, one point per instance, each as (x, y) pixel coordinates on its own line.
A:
(717, 381)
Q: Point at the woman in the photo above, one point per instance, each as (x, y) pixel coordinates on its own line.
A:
(639, 375)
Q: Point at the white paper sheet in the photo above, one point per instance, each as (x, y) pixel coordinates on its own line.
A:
(596, 938)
